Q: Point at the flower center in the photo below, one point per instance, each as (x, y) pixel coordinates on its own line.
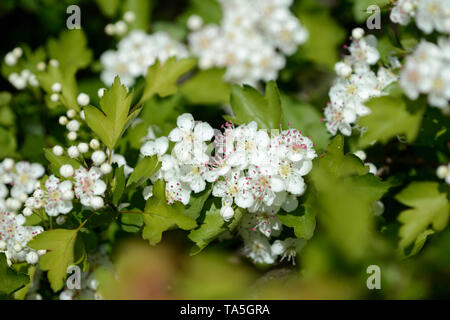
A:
(285, 170)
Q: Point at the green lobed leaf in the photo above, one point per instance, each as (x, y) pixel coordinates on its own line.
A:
(110, 122)
(145, 168)
(160, 216)
(206, 88)
(59, 244)
(249, 105)
(303, 221)
(131, 222)
(10, 280)
(162, 79)
(389, 118)
(70, 49)
(197, 202)
(119, 185)
(429, 207)
(344, 193)
(213, 225)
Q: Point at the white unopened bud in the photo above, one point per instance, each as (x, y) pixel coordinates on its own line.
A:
(73, 125)
(32, 257)
(56, 87)
(342, 69)
(2, 245)
(41, 252)
(54, 97)
(101, 92)
(194, 22)
(20, 83)
(360, 154)
(129, 16)
(18, 247)
(98, 157)
(372, 168)
(97, 202)
(407, 7)
(41, 66)
(358, 33)
(8, 164)
(66, 170)
(58, 150)
(72, 136)
(23, 197)
(73, 152)
(83, 147)
(13, 204)
(25, 73)
(110, 29)
(71, 113)
(105, 168)
(54, 63)
(27, 211)
(33, 81)
(63, 120)
(82, 115)
(38, 194)
(10, 59)
(17, 52)
(442, 172)
(83, 99)
(60, 220)
(121, 27)
(94, 144)
(226, 212)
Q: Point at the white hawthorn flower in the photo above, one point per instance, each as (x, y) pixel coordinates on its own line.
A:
(56, 198)
(234, 188)
(159, 147)
(287, 248)
(88, 185)
(190, 137)
(25, 177)
(14, 236)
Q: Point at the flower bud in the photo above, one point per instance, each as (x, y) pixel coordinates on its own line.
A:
(58, 150)
(83, 99)
(72, 136)
(73, 152)
(97, 202)
(94, 144)
(83, 147)
(98, 157)
(66, 170)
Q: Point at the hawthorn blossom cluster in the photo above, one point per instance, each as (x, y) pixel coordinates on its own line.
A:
(19, 80)
(429, 15)
(136, 52)
(14, 237)
(427, 71)
(356, 84)
(251, 41)
(443, 172)
(250, 169)
(17, 182)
